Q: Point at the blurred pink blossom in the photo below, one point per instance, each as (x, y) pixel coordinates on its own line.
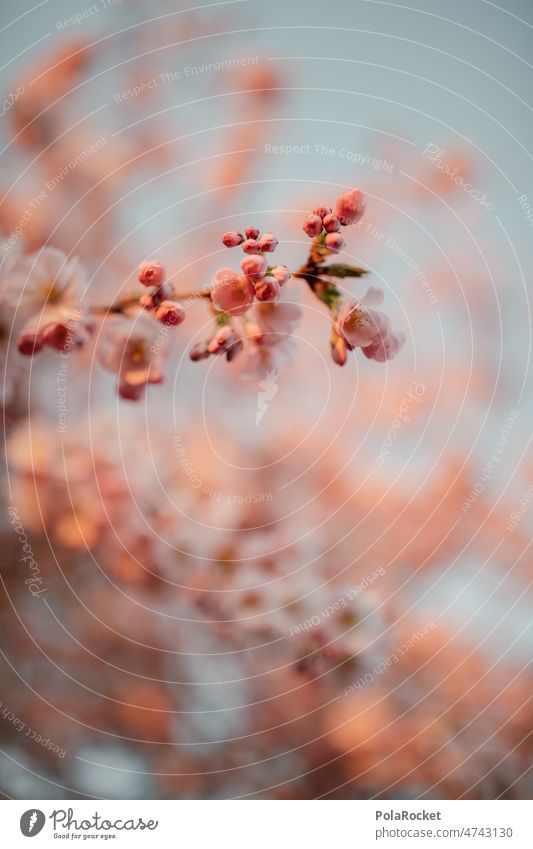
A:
(133, 348)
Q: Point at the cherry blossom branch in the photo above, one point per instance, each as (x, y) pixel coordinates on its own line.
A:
(250, 313)
(122, 307)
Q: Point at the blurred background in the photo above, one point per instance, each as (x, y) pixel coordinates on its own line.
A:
(330, 600)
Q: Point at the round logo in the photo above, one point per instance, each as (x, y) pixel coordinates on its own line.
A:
(32, 822)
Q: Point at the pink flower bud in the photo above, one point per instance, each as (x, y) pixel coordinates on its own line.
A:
(131, 391)
(231, 293)
(151, 273)
(250, 246)
(146, 302)
(268, 243)
(153, 300)
(338, 350)
(199, 351)
(164, 292)
(170, 313)
(281, 273)
(30, 343)
(254, 267)
(252, 233)
(254, 332)
(234, 349)
(267, 289)
(231, 239)
(338, 328)
(313, 226)
(322, 211)
(225, 341)
(334, 242)
(350, 206)
(65, 329)
(331, 223)
(220, 339)
(64, 334)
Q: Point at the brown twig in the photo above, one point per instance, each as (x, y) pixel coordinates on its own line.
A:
(121, 306)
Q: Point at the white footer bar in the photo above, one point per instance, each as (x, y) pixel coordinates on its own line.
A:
(268, 824)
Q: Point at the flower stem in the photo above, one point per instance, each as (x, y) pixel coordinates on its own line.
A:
(122, 306)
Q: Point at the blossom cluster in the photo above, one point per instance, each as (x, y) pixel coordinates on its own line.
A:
(234, 293)
(356, 324)
(43, 291)
(157, 300)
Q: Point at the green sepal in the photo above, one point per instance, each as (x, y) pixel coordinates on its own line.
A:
(341, 269)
